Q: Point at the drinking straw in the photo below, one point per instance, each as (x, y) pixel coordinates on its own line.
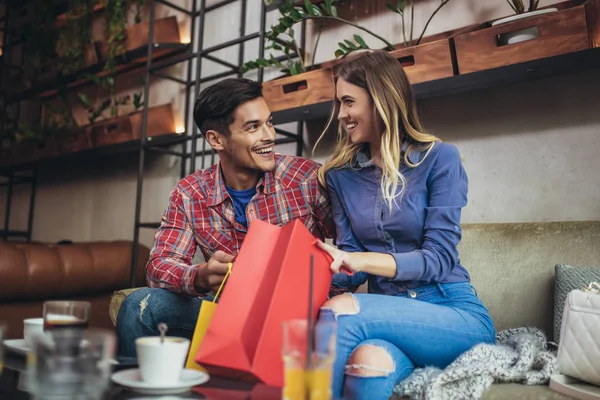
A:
(310, 311)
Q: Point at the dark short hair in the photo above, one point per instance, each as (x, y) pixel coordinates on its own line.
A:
(216, 104)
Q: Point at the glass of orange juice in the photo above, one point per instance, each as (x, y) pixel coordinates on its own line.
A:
(295, 345)
(308, 380)
(322, 358)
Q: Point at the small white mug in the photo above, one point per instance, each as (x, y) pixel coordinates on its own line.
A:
(161, 363)
(31, 328)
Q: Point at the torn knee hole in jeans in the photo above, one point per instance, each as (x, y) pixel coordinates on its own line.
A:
(344, 304)
(365, 371)
(370, 361)
(143, 305)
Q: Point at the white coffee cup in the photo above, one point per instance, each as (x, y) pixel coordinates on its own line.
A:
(31, 328)
(161, 363)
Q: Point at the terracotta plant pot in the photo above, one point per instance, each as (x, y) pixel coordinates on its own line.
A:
(548, 34)
(48, 150)
(311, 87)
(160, 121)
(75, 141)
(49, 71)
(127, 128)
(27, 151)
(111, 132)
(426, 62)
(524, 34)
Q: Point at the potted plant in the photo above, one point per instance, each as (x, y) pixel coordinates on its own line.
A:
(281, 36)
(38, 39)
(59, 124)
(521, 13)
(112, 129)
(423, 59)
(109, 129)
(305, 84)
(401, 8)
(74, 46)
(565, 31)
(37, 139)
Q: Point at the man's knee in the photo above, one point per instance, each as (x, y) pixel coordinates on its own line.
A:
(342, 305)
(137, 304)
(370, 360)
(134, 298)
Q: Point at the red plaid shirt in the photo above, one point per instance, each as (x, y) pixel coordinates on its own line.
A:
(200, 214)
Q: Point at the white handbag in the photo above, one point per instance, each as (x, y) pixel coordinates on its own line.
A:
(579, 347)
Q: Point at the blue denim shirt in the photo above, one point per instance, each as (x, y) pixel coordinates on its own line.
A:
(423, 228)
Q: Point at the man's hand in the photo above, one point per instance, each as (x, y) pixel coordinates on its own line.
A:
(211, 275)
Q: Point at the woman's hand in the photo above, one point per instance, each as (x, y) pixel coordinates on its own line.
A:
(342, 261)
(372, 263)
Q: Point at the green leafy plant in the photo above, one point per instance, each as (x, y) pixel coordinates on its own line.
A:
(115, 35)
(39, 38)
(94, 111)
(56, 119)
(46, 42)
(401, 7)
(518, 6)
(111, 104)
(281, 36)
(137, 101)
(347, 46)
(99, 110)
(116, 12)
(7, 126)
(75, 36)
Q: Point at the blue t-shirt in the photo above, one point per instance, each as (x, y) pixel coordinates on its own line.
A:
(241, 198)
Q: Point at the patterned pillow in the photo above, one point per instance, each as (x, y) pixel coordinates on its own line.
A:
(569, 278)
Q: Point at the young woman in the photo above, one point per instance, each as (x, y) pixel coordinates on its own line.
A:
(397, 194)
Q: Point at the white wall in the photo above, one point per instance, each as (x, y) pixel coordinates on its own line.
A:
(530, 149)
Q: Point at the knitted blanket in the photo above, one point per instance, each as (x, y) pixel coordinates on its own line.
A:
(519, 355)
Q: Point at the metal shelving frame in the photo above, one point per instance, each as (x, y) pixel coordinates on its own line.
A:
(199, 12)
(188, 150)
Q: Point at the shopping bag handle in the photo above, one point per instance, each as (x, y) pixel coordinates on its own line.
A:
(229, 266)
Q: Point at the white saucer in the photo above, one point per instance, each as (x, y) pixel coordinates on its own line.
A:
(132, 380)
(16, 345)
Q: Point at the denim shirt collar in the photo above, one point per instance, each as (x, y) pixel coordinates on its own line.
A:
(362, 159)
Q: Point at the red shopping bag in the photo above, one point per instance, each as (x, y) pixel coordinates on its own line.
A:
(269, 283)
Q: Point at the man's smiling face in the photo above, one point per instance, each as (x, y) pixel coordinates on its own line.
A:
(250, 144)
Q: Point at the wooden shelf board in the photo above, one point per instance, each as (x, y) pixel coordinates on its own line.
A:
(133, 59)
(168, 139)
(118, 148)
(508, 75)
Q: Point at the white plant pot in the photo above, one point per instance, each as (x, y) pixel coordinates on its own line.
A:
(521, 35)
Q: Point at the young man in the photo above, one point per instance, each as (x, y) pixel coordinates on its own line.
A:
(212, 208)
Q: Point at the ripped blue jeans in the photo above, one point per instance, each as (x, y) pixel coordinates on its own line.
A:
(144, 309)
(428, 326)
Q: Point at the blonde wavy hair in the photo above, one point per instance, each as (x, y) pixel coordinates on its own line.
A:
(395, 113)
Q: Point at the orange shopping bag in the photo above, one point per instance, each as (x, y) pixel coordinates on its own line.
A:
(207, 310)
(269, 284)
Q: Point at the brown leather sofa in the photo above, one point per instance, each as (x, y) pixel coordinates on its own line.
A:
(31, 273)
